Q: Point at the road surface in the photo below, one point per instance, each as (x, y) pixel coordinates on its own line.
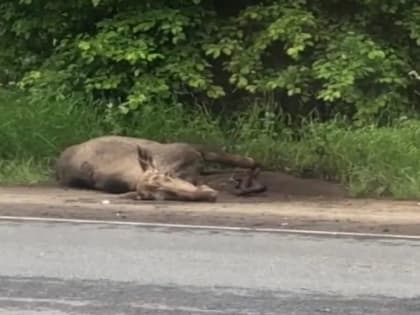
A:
(63, 268)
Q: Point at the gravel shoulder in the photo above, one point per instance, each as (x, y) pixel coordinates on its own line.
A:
(328, 213)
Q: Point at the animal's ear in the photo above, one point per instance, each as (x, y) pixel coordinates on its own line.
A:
(145, 158)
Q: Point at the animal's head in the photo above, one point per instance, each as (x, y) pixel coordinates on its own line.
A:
(157, 185)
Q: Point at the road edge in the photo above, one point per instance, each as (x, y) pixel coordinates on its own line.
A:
(212, 228)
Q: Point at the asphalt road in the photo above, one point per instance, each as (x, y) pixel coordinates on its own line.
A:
(60, 268)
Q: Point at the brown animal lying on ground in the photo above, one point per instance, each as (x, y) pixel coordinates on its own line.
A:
(148, 170)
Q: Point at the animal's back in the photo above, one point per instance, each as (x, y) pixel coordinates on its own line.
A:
(179, 158)
(115, 157)
(107, 157)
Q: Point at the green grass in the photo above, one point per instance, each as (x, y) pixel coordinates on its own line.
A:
(39, 128)
(371, 161)
(24, 171)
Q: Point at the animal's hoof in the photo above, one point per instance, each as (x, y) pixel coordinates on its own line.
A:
(212, 197)
(256, 188)
(205, 188)
(210, 194)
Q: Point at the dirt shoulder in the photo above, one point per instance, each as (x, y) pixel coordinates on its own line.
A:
(330, 213)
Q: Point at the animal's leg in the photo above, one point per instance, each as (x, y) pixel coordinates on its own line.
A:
(203, 193)
(246, 185)
(230, 159)
(133, 195)
(79, 178)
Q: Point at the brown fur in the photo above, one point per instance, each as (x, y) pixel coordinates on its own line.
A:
(151, 169)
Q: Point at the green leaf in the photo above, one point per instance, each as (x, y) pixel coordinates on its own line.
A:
(215, 92)
(376, 54)
(84, 45)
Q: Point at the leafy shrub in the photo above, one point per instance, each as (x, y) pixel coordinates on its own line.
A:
(348, 57)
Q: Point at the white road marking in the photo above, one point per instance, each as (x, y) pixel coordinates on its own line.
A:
(211, 227)
(145, 306)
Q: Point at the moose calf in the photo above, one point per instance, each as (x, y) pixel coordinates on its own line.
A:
(148, 170)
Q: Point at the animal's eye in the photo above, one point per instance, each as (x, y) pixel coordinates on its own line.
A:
(167, 178)
(155, 177)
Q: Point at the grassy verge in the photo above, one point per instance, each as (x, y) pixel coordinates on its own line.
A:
(24, 171)
(370, 161)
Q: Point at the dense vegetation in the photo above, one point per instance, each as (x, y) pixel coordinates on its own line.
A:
(319, 88)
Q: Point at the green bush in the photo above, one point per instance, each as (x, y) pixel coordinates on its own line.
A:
(197, 70)
(350, 57)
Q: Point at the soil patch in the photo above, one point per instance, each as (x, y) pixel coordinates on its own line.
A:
(280, 186)
(290, 202)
